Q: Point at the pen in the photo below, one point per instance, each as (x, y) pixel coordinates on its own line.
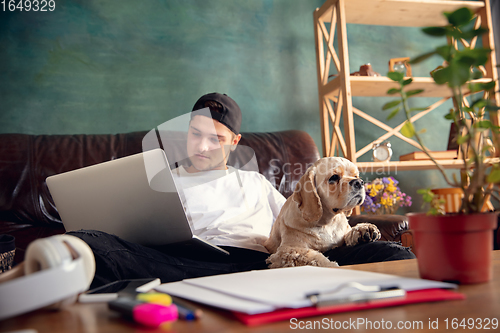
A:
(367, 293)
(155, 298)
(148, 314)
(361, 297)
(186, 311)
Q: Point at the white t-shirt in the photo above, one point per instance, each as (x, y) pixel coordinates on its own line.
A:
(230, 207)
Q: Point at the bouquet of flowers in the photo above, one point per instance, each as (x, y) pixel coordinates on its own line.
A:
(383, 196)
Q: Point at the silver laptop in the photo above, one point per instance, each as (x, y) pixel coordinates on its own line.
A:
(121, 197)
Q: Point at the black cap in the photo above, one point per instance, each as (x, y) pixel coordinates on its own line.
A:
(230, 115)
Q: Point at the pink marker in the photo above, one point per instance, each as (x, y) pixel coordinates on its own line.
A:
(148, 314)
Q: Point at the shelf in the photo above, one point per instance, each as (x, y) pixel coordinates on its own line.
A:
(336, 96)
(407, 13)
(394, 166)
(377, 86)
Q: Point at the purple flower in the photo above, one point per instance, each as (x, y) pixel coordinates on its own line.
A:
(367, 204)
(373, 205)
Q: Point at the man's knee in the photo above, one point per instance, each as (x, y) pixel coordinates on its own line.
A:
(97, 240)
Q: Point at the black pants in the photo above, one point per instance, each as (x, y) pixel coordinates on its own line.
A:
(117, 259)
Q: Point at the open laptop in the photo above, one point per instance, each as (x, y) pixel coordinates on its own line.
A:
(124, 198)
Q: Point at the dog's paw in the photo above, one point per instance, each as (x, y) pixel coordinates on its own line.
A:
(332, 264)
(362, 233)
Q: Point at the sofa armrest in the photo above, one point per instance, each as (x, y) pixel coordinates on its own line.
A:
(392, 227)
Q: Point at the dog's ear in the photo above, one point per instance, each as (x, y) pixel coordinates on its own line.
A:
(306, 196)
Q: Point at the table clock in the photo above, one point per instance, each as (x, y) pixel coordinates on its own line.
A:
(382, 152)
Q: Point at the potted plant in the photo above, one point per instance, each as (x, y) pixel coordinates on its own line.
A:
(457, 247)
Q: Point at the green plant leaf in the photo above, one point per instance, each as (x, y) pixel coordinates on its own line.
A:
(457, 74)
(407, 82)
(390, 105)
(449, 116)
(494, 176)
(480, 103)
(426, 194)
(492, 108)
(454, 33)
(435, 31)
(459, 17)
(461, 139)
(479, 86)
(473, 57)
(441, 76)
(487, 86)
(396, 76)
(422, 57)
(393, 91)
(473, 33)
(445, 51)
(408, 130)
(414, 92)
(393, 113)
(483, 124)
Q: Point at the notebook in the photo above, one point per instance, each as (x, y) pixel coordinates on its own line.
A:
(279, 294)
(124, 197)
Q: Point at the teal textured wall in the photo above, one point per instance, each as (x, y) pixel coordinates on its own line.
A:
(119, 65)
(116, 66)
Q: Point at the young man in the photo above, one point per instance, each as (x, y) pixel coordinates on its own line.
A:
(228, 207)
(231, 208)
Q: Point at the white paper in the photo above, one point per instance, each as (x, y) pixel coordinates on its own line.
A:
(213, 298)
(284, 287)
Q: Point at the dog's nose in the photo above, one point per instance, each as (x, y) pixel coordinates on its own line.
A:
(357, 184)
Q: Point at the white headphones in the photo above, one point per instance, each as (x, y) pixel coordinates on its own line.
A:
(55, 270)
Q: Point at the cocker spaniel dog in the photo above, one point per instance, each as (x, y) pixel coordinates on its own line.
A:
(314, 218)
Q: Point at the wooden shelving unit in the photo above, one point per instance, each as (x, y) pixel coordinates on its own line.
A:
(335, 94)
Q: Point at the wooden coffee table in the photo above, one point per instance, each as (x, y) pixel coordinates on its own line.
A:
(481, 308)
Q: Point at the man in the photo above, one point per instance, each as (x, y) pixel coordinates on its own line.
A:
(230, 208)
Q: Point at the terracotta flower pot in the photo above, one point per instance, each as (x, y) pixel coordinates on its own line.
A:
(454, 247)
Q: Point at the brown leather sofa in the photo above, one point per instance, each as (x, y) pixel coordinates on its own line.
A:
(27, 210)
